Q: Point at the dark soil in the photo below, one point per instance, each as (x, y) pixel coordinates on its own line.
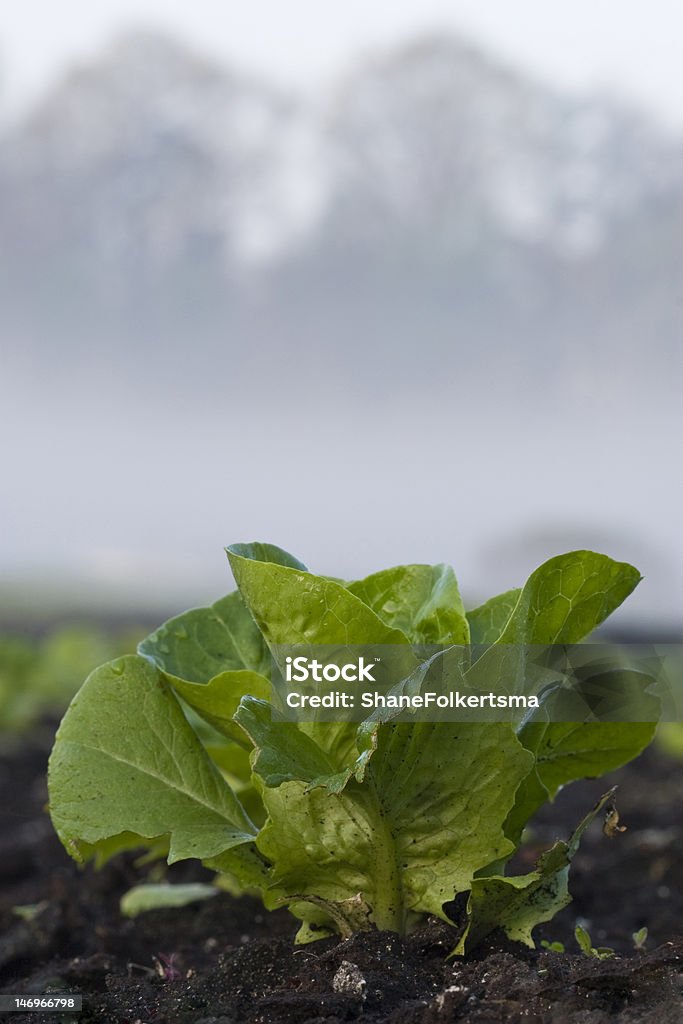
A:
(226, 960)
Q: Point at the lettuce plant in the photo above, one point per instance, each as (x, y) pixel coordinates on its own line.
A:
(352, 826)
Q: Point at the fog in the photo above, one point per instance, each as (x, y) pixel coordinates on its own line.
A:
(128, 499)
(456, 339)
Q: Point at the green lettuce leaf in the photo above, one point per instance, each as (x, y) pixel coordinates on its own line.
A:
(126, 760)
(271, 553)
(205, 642)
(162, 896)
(284, 752)
(423, 601)
(292, 606)
(213, 657)
(562, 602)
(567, 597)
(488, 621)
(218, 700)
(518, 903)
(567, 751)
(428, 814)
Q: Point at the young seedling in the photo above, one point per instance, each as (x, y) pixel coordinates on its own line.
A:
(586, 945)
(553, 947)
(639, 939)
(351, 825)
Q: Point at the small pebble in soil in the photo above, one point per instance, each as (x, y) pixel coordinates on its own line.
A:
(349, 979)
(452, 990)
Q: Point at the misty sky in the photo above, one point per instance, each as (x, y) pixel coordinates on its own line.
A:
(105, 487)
(633, 48)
